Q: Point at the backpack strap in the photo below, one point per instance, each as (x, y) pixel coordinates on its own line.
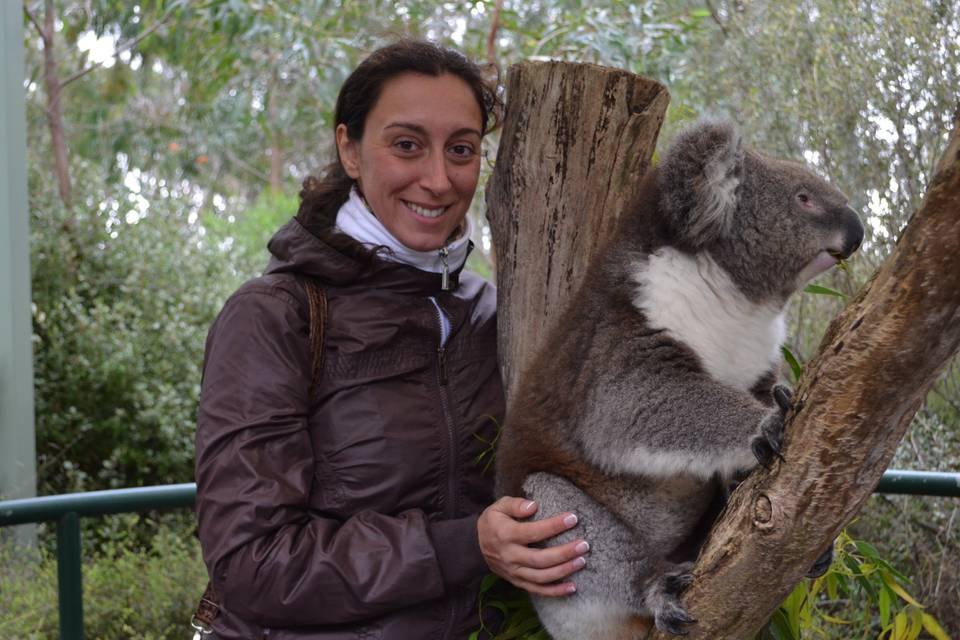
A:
(209, 606)
(317, 301)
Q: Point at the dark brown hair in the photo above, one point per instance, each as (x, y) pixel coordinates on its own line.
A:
(321, 196)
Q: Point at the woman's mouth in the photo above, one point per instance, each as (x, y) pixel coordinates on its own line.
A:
(425, 211)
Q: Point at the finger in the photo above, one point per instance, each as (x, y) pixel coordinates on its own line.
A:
(551, 556)
(529, 532)
(558, 572)
(548, 590)
(516, 507)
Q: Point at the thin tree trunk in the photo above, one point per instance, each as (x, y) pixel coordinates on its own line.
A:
(276, 153)
(575, 142)
(51, 78)
(854, 402)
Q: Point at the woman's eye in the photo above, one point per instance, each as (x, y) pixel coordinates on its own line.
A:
(462, 150)
(406, 145)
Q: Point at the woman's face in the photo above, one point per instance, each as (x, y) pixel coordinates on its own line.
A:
(418, 161)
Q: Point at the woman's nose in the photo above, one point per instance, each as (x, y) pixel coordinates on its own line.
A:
(434, 177)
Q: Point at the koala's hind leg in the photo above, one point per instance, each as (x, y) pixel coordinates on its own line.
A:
(624, 576)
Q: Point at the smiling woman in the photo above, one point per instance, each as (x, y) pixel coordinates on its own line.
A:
(418, 162)
(347, 391)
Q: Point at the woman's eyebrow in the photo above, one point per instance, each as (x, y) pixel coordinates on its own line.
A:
(423, 131)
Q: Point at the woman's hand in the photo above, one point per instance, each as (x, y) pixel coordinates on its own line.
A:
(504, 540)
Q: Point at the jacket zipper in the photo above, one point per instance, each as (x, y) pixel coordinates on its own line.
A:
(445, 272)
(451, 507)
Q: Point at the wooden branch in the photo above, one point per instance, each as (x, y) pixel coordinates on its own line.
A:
(576, 140)
(852, 407)
(492, 34)
(33, 20)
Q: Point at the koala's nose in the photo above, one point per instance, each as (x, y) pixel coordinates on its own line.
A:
(852, 231)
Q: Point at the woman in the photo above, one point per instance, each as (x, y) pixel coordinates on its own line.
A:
(355, 508)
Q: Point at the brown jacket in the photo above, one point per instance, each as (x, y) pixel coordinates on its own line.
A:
(348, 511)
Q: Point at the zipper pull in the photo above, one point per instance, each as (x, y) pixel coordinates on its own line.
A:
(445, 274)
(442, 361)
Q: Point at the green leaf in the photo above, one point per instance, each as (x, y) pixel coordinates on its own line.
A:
(792, 361)
(824, 291)
(488, 581)
(884, 604)
(932, 627)
(897, 589)
(779, 626)
(900, 626)
(867, 549)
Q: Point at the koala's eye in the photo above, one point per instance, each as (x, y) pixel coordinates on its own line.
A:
(804, 199)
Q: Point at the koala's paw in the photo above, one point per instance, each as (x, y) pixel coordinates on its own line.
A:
(663, 601)
(767, 443)
(822, 563)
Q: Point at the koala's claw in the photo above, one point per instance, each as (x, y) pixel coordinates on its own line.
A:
(672, 619)
(767, 445)
(677, 583)
(783, 396)
(822, 563)
(663, 600)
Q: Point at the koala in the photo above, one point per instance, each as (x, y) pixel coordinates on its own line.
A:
(658, 386)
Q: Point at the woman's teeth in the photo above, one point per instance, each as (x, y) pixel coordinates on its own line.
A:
(426, 213)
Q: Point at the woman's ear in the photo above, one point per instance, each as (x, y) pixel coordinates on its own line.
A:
(349, 151)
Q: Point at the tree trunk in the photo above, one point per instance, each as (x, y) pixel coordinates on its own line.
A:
(576, 140)
(51, 78)
(273, 131)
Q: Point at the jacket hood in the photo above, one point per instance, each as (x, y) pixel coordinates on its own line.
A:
(293, 249)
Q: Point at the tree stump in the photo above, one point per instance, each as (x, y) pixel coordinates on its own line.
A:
(576, 140)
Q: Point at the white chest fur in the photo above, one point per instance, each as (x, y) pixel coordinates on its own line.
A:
(697, 303)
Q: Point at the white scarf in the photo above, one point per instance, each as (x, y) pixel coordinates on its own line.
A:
(358, 222)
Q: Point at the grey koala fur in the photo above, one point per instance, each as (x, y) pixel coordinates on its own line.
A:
(657, 386)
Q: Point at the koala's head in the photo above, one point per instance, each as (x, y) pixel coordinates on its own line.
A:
(771, 224)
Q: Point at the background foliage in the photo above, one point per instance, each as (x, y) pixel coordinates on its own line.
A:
(188, 126)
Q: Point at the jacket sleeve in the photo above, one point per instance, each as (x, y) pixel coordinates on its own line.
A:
(271, 560)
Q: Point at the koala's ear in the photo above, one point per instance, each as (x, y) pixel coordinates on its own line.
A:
(700, 179)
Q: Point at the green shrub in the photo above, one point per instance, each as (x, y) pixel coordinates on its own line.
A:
(130, 590)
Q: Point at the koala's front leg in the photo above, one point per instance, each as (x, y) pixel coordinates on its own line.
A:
(683, 424)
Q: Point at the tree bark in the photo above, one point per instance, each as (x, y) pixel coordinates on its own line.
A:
(576, 140)
(853, 404)
(51, 78)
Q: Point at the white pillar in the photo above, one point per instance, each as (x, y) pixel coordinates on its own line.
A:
(18, 474)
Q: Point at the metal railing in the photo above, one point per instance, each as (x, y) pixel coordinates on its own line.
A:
(67, 509)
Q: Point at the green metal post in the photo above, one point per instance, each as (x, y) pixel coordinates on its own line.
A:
(69, 577)
(17, 448)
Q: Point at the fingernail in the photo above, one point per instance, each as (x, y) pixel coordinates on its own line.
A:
(529, 505)
(580, 561)
(570, 520)
(582, 547)
(572, 588)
